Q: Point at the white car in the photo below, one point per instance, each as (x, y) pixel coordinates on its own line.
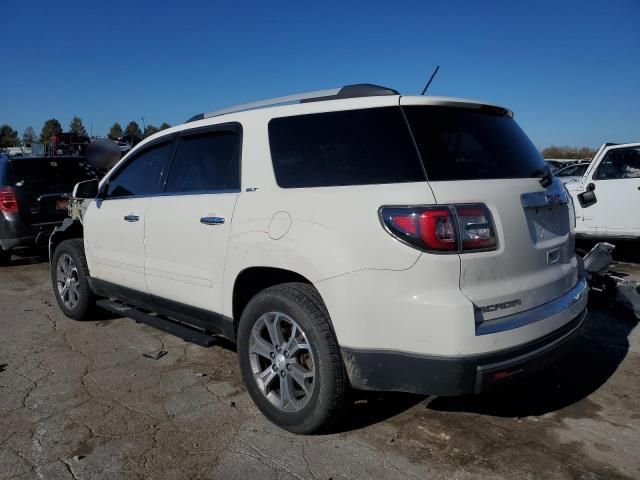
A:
(349, 238)
(607, 197)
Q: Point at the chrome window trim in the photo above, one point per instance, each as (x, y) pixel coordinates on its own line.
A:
(173, 194)
(575, 300)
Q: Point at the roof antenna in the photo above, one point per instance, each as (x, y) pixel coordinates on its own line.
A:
(424, 90)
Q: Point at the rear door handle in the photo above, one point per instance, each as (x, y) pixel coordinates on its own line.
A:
(131, 218)
(212, 220)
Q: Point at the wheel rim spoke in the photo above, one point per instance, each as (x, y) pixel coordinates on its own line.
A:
(300, 375)
(297, 347)
(286, 393)
(265, 378)
(274, 328)
(260, 346)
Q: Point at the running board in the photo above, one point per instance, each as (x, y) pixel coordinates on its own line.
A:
(174, 328)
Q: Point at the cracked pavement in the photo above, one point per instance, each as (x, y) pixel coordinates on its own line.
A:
(79, 400)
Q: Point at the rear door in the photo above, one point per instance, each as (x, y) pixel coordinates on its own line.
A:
(479, 154)
(617, 188)
(114, 226)
(187, 227)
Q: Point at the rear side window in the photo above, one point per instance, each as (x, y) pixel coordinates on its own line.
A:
(50, 175)
(470, 144)
(619, 163)
(141, 175)
(354, 147)
(206, 162)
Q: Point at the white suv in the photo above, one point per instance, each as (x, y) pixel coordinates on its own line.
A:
(347, 238)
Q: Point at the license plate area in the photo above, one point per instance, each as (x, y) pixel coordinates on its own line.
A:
(62, 204)
(547, 223)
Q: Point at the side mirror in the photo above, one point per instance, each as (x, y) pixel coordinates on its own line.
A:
(86, 190)
(588, 198)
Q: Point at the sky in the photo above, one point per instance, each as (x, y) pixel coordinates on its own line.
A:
(570, 70)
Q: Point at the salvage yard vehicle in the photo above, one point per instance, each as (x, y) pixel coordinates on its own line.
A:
(34, 193)
(349, 238)
(607, 196)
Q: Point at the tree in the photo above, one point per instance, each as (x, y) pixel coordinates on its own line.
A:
(567, 152)
(115, 132)
(76, 127)
(150, 130)
(29, 135)
(164, 126)
(8, 137)
(50, 128)
(133, 129)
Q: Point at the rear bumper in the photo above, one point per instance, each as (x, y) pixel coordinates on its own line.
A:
(21, 236)
(456, 375)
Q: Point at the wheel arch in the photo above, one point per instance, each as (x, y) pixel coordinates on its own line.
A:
(253, 280)
(69, 229)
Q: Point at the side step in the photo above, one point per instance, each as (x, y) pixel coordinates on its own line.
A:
(178, 329)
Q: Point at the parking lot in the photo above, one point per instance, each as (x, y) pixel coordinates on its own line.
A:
(101, 399)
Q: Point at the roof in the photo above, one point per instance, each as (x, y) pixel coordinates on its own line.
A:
(360, 90)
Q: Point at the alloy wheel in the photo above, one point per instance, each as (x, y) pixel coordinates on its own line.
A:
(282, 361)
(67, 281)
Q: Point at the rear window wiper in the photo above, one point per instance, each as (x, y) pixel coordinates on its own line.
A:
(544, 174)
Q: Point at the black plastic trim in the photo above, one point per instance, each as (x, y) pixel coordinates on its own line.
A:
(383, 370)
(212, 322)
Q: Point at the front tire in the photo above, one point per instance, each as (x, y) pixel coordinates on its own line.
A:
(290, 359)
(70, 274)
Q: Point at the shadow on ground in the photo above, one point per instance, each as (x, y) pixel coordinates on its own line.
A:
(29, 256)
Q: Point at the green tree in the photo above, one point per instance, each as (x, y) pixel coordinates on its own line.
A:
(150, 130)
(8, 137)
(76, 127)
(115, 132)
(29, 135)
(50, 128)
(133, 129)
(164, 126)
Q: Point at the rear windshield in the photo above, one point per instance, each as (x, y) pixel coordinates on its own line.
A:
(50, 175)
(354, 147)
(470, 144)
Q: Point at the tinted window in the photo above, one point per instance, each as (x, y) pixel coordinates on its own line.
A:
(50, 175)
(468, 144)
(619, 163)
(206, 162)
(354, 147)
(141, 175)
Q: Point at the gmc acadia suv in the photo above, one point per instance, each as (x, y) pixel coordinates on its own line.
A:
(349, 238)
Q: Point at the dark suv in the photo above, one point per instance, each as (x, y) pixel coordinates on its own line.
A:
(33, 198)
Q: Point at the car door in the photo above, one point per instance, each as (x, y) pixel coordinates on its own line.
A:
(187, 228)
(616, 184)
(114, 224)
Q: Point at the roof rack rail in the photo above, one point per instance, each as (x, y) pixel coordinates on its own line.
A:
(348, 91)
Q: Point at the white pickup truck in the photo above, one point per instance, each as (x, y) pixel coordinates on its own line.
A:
(607, 197)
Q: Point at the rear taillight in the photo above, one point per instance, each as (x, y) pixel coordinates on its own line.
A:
(446, 229)
(8, 200)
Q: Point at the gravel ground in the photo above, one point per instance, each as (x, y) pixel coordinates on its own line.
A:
(80, 400)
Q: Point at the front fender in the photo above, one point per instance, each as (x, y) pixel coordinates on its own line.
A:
(70, 228)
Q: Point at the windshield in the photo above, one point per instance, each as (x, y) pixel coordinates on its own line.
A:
(471, 144)
(50, 175)
(572, 171)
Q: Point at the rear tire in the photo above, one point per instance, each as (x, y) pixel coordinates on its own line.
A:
(5, 257)
(69, 275)
(297, 380)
